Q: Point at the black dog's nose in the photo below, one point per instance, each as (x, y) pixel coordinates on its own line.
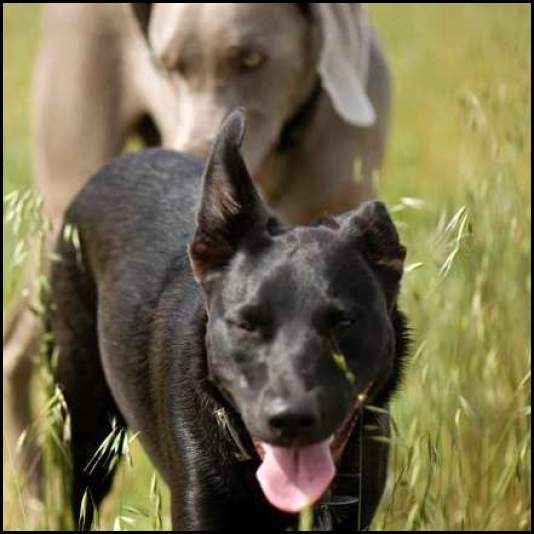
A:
(292, 419)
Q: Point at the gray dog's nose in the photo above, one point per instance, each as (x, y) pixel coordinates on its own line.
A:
(292, 420)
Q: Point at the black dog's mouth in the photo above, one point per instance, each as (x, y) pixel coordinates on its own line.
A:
(293, 478)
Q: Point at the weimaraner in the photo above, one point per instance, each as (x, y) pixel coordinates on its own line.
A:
(313, 78)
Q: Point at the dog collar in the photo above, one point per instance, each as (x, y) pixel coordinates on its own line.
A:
(224, 421)
(296, 124)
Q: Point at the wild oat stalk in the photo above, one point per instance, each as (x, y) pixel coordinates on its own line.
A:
(155, 498)
(306, 519)
(51, 429)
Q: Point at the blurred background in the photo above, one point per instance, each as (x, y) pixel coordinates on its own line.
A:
(457, 178)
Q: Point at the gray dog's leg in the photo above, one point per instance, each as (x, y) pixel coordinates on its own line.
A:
(19, 344)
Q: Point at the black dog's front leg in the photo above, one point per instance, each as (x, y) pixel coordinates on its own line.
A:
(202, 510)
(198, 511)
(212, 501)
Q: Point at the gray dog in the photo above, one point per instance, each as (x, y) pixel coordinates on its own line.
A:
(312, 77)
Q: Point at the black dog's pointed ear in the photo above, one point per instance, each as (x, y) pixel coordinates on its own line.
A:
(378, 241)
(230, 206)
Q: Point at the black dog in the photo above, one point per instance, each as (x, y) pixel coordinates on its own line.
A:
(241, 349)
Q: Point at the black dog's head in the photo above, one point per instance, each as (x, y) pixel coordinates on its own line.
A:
(299, 319)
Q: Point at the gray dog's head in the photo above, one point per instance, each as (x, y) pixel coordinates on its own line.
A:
(268, 58)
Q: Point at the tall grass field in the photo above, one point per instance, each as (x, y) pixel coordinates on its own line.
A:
(457, 180)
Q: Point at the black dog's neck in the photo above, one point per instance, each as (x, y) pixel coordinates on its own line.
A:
(217, 400)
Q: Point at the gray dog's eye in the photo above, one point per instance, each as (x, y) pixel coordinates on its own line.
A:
(252, 59)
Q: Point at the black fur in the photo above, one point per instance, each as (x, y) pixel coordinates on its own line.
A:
(184, 298)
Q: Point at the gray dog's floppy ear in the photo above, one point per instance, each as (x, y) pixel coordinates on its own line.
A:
(344, 60)
(230, 206)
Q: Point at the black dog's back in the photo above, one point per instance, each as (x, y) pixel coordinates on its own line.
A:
(157, 186)
(139, 214)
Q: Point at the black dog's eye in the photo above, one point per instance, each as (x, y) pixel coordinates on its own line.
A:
(333, 319)
(242, 324)
(344, 322)
(250, 319)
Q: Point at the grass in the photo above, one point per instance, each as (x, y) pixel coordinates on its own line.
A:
(457, 179)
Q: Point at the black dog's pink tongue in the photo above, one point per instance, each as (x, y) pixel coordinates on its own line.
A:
(294, 478)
